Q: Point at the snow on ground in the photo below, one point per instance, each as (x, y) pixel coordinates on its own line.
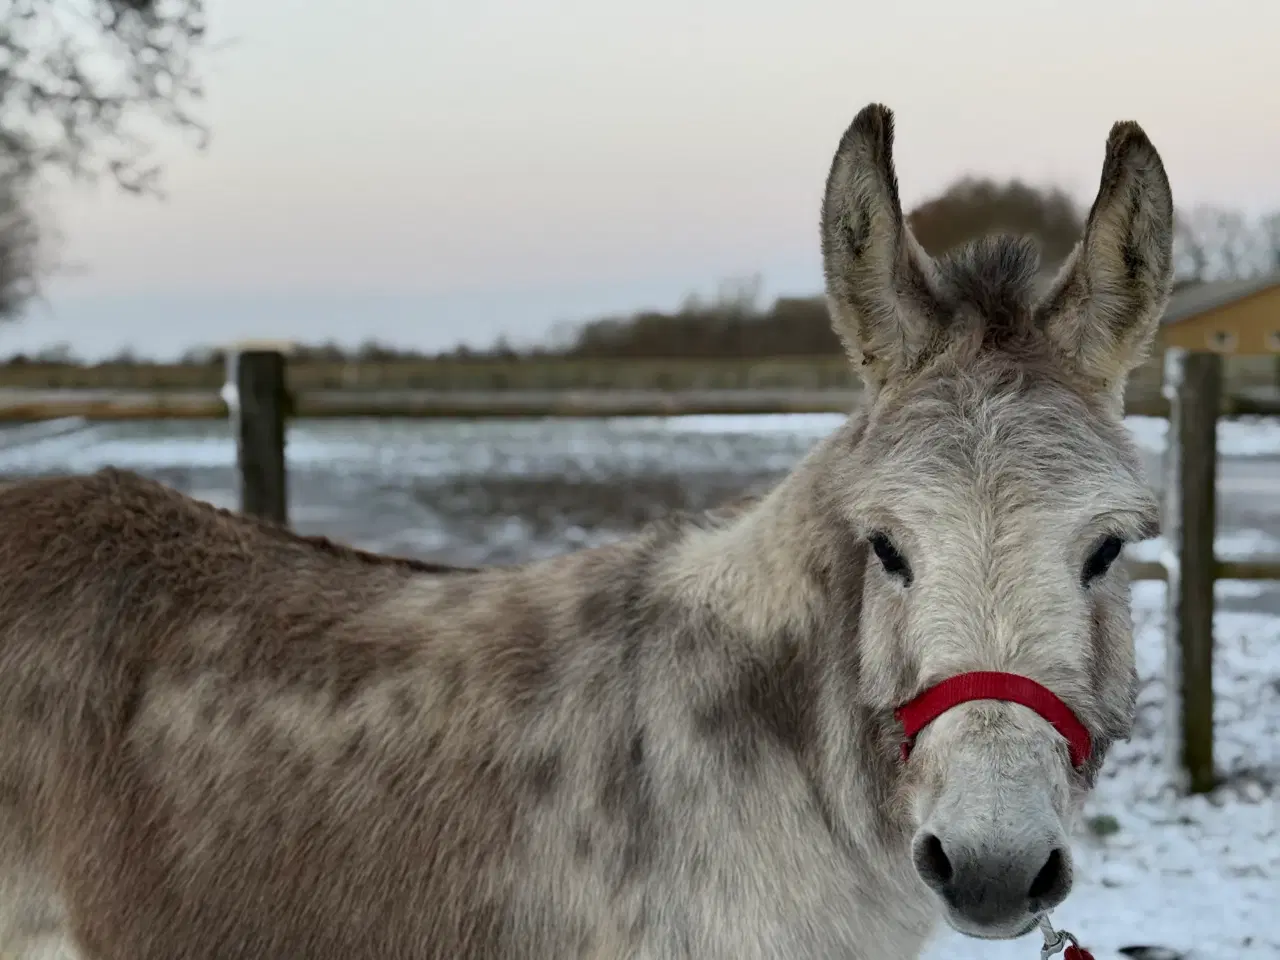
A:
(1238, 437)
(1231, 545)
(428, 447)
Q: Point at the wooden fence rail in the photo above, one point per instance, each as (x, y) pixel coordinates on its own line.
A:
(24, 406)
(1193, 399)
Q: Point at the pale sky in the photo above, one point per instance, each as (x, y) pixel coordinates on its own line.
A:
(429, 171)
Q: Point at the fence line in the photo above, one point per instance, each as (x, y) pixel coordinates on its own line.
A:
(21, 405)
(33, 432)
(1193, 398)
(258, 403)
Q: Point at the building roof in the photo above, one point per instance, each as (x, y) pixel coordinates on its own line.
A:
(1204, 297)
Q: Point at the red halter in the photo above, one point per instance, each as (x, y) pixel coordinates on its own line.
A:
(989, 685)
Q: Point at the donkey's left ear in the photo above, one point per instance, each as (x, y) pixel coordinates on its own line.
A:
(1104, 307)
(878, 277)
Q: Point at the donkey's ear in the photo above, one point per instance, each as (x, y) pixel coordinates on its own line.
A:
(879, 279)
(1103, 308)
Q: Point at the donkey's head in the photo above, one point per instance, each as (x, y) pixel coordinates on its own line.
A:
(995, 484)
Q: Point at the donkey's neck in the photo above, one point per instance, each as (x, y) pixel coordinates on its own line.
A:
(772, 669)
(776, 596)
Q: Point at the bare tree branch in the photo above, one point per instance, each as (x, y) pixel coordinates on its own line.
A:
(78, 76)
(1271, 241)
(19, 246)
(1212, 243)
(84, 86)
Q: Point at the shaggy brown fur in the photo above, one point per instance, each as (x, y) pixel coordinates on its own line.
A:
(219, 739)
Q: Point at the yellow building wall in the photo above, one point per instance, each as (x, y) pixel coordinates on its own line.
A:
(1249, 327)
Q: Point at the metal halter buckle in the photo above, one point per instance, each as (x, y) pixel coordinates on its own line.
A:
(1055, 941)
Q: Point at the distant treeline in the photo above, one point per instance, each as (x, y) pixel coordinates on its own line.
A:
(728, 327)
(791, 326)
(1210, 244)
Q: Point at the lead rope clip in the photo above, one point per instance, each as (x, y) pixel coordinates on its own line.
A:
(1061, 941)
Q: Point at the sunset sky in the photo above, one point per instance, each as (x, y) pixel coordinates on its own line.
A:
(430, 171)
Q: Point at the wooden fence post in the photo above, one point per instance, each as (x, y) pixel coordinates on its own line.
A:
(259, 410)
(1193, 387)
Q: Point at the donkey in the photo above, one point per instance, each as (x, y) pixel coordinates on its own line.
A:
(815, 727)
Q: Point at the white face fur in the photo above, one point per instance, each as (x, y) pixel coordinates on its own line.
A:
(994, 520)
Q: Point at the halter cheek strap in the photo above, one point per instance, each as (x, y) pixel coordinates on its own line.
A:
(991, 685)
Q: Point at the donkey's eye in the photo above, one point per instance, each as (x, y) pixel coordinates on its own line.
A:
(1099, 562)
(889, 557)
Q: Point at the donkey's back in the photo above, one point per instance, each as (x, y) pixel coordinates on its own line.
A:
(220, 739)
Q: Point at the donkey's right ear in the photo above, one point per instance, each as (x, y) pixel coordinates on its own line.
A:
(878, 278)
(1104, 308)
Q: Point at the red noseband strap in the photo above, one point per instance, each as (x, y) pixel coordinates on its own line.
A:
(988, 685)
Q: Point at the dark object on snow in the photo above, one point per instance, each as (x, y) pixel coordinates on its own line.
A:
(1152, 953)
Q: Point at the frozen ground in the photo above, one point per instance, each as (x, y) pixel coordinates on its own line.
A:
(1200, 876)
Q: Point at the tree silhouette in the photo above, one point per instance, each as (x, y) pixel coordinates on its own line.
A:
(19, 244)
(77, 78)
(974, 207)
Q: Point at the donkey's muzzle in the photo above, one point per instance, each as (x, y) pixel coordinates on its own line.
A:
(992, 892)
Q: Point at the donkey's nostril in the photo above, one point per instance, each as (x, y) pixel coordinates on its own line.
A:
(993, 886)
(1051, 884)
(932, 862)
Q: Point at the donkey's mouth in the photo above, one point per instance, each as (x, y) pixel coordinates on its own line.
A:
(970, 929)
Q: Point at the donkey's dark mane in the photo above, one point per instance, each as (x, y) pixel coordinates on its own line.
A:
(284, 535)
(342, 551)
(992, 278)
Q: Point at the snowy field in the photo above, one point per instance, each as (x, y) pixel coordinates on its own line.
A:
(1199, 876)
